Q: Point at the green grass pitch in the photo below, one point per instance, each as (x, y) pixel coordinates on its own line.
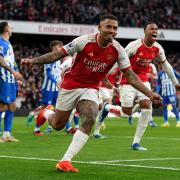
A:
(34, 158)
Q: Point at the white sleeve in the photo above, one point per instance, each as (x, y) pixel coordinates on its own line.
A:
(161, 55)
(132, 47)
(169, 70)
(66, 64)
(123, 61)
(76, 45)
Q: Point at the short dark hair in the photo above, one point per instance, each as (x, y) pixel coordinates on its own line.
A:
(2, 26)
(108, 16)
(55, 42)
(150, 22)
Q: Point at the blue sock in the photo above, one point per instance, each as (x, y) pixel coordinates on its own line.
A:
(176, 112)
(8, 120)
(130, 120)
(37, 126)
(0, 121)
(68, 125)
(165, 113)
(76, 121)
(103, 114)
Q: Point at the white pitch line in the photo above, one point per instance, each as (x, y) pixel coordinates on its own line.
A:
(128, 137)
(27, 158)
(146, 137)
(139, 160)
(139, 166)
(96, 163)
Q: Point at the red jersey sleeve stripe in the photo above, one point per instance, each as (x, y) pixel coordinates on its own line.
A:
(125, 69)
(64, 51)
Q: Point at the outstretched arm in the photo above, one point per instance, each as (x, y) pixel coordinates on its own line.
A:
(46, 58)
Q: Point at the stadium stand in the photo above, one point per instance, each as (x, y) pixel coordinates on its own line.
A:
(132, 13)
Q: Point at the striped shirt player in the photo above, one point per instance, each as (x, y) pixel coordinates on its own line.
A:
(8, 86)
(51, 78)
(165, 85)
(168, 92)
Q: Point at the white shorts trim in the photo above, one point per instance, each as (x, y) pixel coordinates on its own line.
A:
(128, 95)
(68, 99)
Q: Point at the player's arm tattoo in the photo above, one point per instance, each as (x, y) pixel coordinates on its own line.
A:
(89, 111)
(49, 57)
(5, 65)
(134, 80)
(107, 83)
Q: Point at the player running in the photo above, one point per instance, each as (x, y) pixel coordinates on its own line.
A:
(95, 56)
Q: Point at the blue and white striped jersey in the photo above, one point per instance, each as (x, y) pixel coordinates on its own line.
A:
(166, 87)
(52, 75)
(7, 52)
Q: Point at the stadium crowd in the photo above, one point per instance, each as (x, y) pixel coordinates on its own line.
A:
(132, 13)
(29, 95)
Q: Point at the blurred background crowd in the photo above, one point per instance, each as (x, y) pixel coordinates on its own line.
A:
(131, 13)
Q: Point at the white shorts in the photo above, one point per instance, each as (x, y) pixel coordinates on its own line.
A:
(106, 93)
(129, 94)
(68, 99)
(100, 98)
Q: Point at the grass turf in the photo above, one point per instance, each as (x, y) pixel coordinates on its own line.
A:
(34, 158)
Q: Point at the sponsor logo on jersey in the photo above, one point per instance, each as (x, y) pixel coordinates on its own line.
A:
(109, 57)
(91, 54)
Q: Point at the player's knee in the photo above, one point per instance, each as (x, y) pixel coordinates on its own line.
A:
(145, 104)
(12, 107)
(58, 126)
(127, 111)
(3, 107)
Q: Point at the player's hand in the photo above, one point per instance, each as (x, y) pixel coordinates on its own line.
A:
(156, 99)
(177, 86)
(17, 75)
(27, 62)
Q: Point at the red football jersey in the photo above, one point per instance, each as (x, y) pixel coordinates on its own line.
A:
(141, 56)
(92, 62)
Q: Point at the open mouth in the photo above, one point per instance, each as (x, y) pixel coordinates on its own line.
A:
(154, 36)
